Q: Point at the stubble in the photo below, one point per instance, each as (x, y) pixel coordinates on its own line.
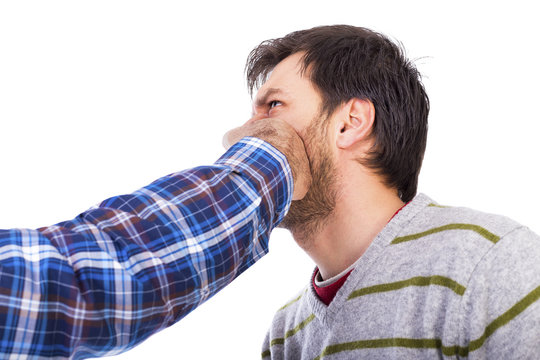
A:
(306, 217)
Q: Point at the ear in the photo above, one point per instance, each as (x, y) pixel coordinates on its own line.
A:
(356, 123)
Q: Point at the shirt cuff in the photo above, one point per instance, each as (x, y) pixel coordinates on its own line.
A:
(267, 169)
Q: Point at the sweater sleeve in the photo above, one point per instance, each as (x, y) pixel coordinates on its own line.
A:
(104, 281)
(500, 316)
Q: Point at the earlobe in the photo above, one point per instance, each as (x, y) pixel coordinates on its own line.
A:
(357, 123)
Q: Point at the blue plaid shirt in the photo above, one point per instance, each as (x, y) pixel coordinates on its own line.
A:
(103, 282)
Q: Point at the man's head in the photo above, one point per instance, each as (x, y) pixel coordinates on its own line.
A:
(336, 65)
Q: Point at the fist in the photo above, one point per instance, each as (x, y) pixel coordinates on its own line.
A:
(284, 138)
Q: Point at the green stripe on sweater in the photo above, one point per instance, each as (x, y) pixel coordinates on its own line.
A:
(288, 334)
(476, 228)
(502, 320)
(292, 301)
(381, 343)
(415, 281)
(439, 206)
(499, 322)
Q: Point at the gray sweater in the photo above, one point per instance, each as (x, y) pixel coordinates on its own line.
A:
(436, 282)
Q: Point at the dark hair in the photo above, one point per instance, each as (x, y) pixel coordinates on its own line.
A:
(347, 62)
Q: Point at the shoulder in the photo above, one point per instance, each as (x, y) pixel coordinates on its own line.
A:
(457, 237)
(434, 218)
(466, 245)
(479, 234)
(455, 232)
(500, 311)
(461, 233)
(498, 261)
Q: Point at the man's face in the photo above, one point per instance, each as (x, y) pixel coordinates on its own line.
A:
(291, 97)
(288, 96)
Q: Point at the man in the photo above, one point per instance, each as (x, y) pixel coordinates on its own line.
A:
(103, 282)
(398, 275)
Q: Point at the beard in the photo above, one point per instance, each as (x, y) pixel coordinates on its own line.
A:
(307, 216)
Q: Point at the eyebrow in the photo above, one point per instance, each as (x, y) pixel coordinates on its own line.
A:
(261, 100)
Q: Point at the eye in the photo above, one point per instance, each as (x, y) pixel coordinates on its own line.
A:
(272, 104)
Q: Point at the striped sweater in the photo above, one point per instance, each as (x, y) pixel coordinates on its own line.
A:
(437, 282)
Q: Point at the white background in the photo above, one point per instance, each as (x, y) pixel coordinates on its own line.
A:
(99, 98)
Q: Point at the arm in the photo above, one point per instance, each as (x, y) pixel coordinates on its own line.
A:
(135, 264)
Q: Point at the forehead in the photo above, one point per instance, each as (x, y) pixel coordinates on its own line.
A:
(287, 79)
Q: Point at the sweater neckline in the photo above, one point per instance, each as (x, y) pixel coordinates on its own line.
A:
(325, 313)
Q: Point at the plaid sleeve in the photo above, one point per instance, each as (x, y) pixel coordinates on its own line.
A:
(101, 283)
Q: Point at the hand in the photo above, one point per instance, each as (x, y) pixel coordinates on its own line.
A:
(283, 137)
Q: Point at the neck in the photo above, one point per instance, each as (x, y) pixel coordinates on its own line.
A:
(362, 210)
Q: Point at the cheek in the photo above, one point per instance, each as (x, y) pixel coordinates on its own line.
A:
(317, 141)
(291, 119)
(299, 116)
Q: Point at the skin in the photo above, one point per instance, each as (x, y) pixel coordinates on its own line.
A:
(347, 204)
